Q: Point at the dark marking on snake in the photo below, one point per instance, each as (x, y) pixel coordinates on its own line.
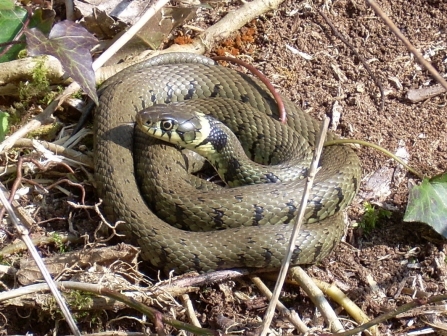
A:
(296, 252)
(220, 262)
(153, 96)
(258, 215)
(217, 137)
(186, 162)
(182, 135)
(143, 103)
(234, 167)
(155, 174)
(239, 198)
(278, 149)
(305, 172)
(219, 214)
(316, 208)
(318, 249)
(169, 94)
(251, 240)
(164, 255)
(340, 197)
(191, 91)
(216, 90)
(291, 212)
(355, 182)
(197, 262)
(267, 255)
(241, 258)
(241, 129)
(253, 148)
(334, 243)
(280, 237)
(271, 178)
(179, 213)
(245, 98)
(163, 133)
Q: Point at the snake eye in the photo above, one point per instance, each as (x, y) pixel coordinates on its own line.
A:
(167, 124)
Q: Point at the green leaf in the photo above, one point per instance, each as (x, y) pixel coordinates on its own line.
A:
(4, 119)
(6, 5)
(11, 22)
(427, 203)
(439, 178)
(71, 44)
(43, 19)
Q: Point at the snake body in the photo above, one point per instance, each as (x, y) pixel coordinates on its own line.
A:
(283, 154)
(176, 77)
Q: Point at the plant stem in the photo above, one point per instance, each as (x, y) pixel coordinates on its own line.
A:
(380, 149)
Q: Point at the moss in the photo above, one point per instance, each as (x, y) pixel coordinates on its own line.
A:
(372, 217)
(38, 86)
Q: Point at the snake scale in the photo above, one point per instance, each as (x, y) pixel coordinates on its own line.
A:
(174, 77)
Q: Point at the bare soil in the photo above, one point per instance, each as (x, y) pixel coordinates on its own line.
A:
(335, 74)
(396, 261)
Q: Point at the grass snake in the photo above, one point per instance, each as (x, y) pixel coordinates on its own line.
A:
(265, 210)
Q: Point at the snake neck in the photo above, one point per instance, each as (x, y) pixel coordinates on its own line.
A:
(183, 126)
(223, 150)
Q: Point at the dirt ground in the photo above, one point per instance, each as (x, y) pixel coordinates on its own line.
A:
(391, 264)
(382, 269)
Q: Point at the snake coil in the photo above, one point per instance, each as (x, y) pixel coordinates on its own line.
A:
(181, 76)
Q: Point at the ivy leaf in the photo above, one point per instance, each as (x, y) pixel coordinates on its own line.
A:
(427, 203)
(43, 19)
(71, 44)
(11, 22)
(6, 5)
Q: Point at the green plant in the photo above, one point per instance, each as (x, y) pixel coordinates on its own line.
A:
(4, 124)
(59, 243)
(79, 300)
(39, 86)
(372, 216)
(426, 201)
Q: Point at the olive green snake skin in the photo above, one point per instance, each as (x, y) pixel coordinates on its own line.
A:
(177, 77)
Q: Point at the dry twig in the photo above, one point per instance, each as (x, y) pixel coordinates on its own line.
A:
(72, 156)
(407, 43)
(156, 317)
(190, 310)
(338, 296)
(291, 316)
(299, 219)
(418, 95)
(317, 297)
(24, 235)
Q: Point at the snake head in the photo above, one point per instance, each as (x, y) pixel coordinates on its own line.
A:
(170, 124)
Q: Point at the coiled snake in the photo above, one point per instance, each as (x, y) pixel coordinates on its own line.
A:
(176, 77)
